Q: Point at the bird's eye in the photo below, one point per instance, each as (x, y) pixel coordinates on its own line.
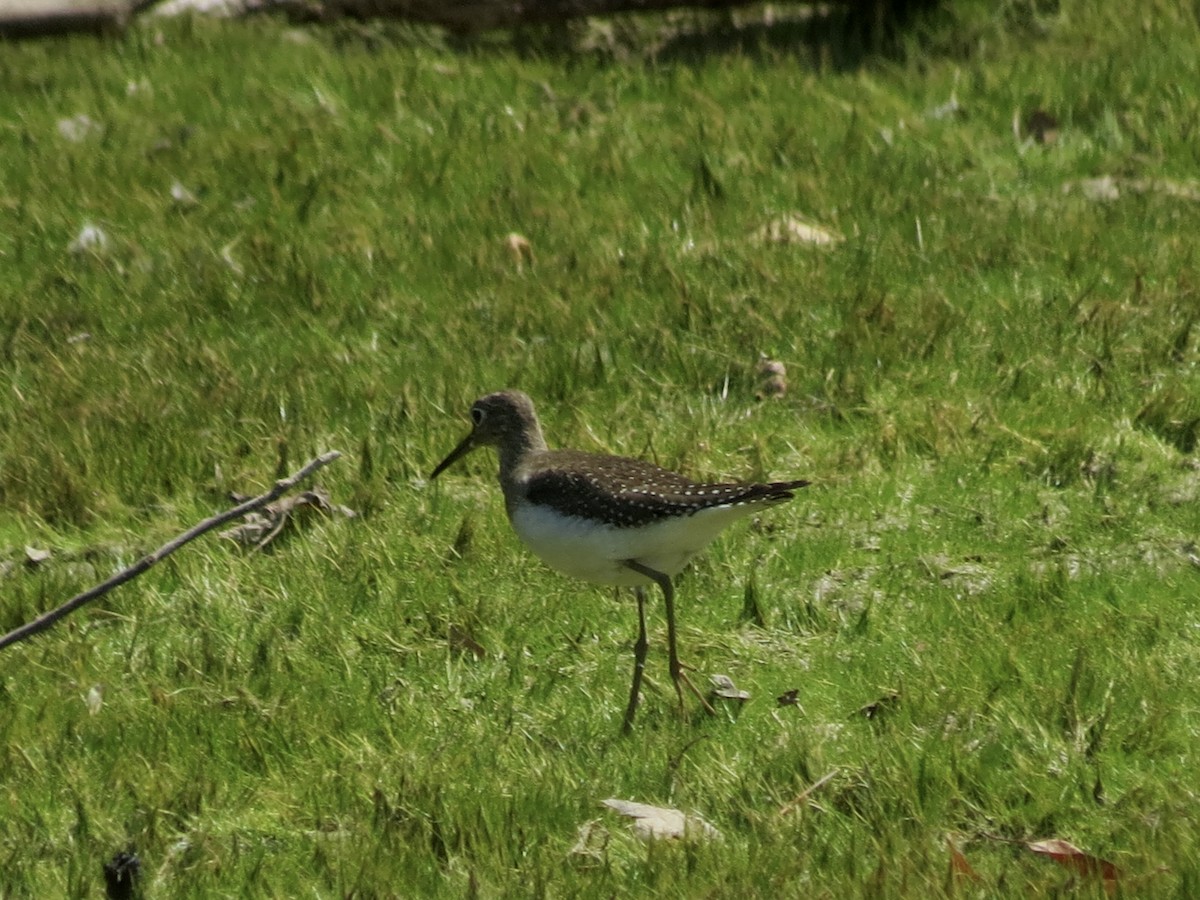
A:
(477, 416)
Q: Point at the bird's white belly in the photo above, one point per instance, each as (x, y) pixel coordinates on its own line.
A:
(596, 552)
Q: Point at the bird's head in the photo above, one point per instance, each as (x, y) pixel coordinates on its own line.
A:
(505, 419)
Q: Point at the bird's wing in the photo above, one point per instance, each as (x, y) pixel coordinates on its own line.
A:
(633, 492)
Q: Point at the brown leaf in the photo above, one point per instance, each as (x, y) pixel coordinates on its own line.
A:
(791, 698)
(881, 707)
(1071, 857)
(1042, 126)
(959, 867)
(774, 378)
(461, 641)
(657, 822)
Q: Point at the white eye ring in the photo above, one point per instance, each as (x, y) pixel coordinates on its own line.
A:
(477, 416)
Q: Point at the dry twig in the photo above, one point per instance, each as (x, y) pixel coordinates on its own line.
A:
(803, 796)
(44, 621)
(261, 528)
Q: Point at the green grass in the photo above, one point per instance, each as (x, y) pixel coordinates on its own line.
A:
(993, 383)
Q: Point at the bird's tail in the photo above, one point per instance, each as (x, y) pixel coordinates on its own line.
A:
(778, 491)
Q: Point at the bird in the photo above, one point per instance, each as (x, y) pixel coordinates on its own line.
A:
(608, 519)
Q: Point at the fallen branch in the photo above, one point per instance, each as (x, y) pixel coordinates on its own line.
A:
(44, 621)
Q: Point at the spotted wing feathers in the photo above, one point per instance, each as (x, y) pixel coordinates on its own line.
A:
(629, 492)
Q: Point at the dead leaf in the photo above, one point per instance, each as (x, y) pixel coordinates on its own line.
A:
(255, 528)
(79, 128)
(35, 557)
(1099, 189)
(182, 196)
(227, 257)
(1042, 126)
(261, 528)
(591, 844)
(91, 238)
(1169, 187)
(959, 867)
(790, 698)
(878, 708)
(949, 110)
(1108, 188)
(461, 641)
(95, 699)
(656, 822)
(518, 245)
(774, 378)
(1071, 857)
(792, 228)
(723, 688)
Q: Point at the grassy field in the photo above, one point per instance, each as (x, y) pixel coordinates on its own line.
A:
(226, 247)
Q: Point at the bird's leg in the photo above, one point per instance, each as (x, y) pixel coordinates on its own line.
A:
(678, 675)
(639, 660)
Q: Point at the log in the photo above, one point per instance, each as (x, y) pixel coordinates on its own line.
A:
(474, 16)
(467, 16)
(31, 18)
(24, 18)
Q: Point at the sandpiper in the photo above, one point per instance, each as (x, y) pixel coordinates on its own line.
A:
(607, 519)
